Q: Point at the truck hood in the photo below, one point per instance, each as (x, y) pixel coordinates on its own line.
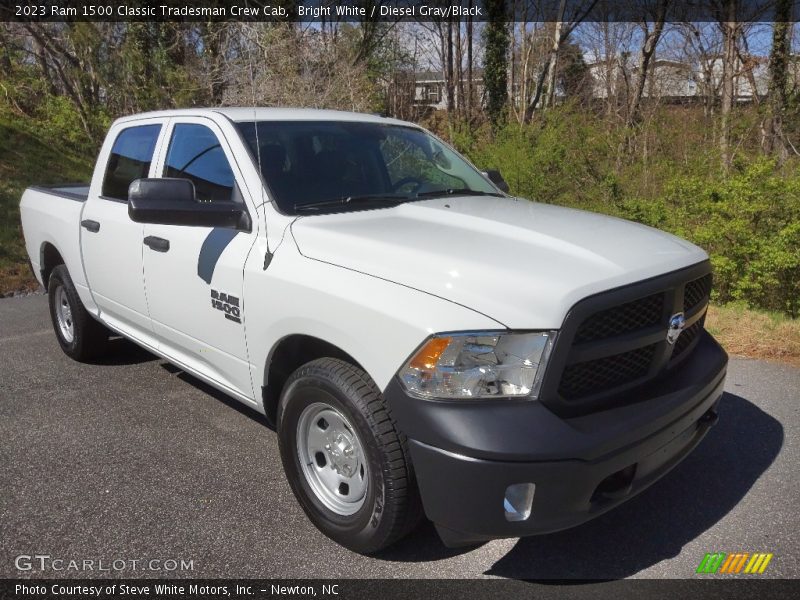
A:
(522, 263)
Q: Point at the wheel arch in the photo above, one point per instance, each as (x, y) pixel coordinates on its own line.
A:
(288, 354)
(49, 259)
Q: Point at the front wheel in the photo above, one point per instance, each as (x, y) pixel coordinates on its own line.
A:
(345, 461)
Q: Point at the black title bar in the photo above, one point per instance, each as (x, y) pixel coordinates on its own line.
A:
(388, 10)
(389, 589)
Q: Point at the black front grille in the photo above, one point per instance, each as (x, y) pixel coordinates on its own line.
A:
(640, 313)
(616, 341)
(599, 375)
(696, 292)
(686, 338)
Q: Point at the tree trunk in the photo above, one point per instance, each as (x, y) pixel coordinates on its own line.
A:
(213, 35)
(537, 95)
(649, 44)
(469, 65)
(773, 136)
(611, 71)
(5, 58)
(553, 63)
(730, 33)
(460, 73)
(449, 80)
(495, 75)
(516, 82)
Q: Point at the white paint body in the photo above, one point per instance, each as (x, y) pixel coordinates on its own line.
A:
(373, 283)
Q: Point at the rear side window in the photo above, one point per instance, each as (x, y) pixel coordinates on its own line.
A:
(195, 153)
(130, 159)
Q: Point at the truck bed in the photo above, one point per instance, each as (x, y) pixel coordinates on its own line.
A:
(51, 218)
(70, 191)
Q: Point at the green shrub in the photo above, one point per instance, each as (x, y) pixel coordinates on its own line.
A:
(750, 224)
(57, 119)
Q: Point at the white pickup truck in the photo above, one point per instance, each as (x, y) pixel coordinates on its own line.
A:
(422, 341)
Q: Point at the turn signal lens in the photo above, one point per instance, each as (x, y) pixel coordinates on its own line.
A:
(429, 354)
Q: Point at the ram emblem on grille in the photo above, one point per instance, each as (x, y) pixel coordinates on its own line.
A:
(676, 324)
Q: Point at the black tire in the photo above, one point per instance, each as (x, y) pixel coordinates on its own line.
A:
(391, 506)
(89, 337)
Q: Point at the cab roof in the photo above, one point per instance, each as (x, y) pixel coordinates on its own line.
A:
(239, 114)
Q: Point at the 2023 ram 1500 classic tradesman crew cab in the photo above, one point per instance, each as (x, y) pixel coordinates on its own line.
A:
(422, 341)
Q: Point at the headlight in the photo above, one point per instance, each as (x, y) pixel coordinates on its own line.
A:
(479, 365)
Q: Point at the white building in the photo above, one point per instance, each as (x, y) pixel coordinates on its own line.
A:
(678, 81)
(430, 89)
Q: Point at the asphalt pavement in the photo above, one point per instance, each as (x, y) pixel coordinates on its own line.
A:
(132, 459)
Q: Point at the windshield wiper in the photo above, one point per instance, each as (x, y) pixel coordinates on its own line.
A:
(345, 200)
(457, 192)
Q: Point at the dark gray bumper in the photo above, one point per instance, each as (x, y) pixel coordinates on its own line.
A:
(467, 453)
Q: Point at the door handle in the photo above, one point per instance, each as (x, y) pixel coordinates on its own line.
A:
(156, 243)
(92, 226)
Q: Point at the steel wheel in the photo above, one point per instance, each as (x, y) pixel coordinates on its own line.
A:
(347, 465)
(78, 334)
(64, 315)
(332, 458)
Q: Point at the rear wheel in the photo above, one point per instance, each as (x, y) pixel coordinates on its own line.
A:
(345, 461)
(80, 336)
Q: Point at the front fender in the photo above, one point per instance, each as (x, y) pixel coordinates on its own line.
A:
(377, 322)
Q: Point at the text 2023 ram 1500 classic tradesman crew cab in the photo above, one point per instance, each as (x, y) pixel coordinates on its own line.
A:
(422, 341)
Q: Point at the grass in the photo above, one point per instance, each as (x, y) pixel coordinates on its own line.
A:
(14, 278)
(755, 333)
(27, 158)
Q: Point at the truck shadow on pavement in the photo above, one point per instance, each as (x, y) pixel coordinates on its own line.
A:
(122, 352)
(653, 526)
(674, 511)
(242, 409)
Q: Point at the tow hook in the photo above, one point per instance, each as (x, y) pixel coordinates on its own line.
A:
(709, 418)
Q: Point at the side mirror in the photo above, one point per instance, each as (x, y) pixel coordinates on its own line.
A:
(496, 178)
(171, 201)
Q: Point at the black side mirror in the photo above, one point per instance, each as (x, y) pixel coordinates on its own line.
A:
(171, 201)
(496, 178)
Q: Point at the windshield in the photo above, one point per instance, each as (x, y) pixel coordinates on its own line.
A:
(342, 165)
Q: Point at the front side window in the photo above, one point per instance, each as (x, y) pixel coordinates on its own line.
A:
(130, 159)
(196, 154)
(306, 164)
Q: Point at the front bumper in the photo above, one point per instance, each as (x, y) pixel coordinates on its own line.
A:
(466, 454)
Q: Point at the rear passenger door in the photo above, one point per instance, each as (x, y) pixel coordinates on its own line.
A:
(194, 288)
(111, 243)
